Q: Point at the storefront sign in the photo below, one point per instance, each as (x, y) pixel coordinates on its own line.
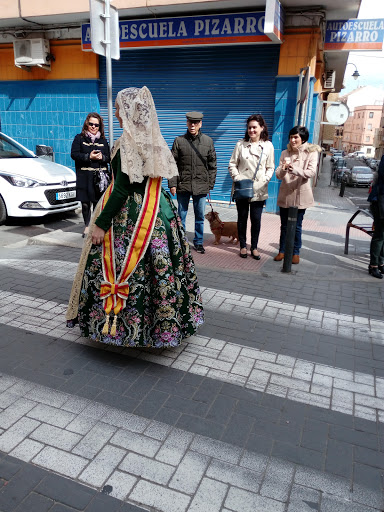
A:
(274, 20)
(354, 34)
(191, 30)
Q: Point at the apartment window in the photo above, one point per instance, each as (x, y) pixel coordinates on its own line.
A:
(370, 115)
(368, 151)
(370, 127)
(367, 138)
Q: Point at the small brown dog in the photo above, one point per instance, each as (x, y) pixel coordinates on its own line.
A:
(220, 228)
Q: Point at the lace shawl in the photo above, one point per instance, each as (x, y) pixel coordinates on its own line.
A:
(143, 150)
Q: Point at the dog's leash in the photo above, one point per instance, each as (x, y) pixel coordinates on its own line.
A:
(209, 200)
(210, 204)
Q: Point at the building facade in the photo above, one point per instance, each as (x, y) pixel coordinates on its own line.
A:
(360, 130)
(226, 68)
(380, 137)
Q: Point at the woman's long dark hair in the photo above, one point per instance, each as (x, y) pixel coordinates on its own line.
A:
(101, 124)
(262, 123)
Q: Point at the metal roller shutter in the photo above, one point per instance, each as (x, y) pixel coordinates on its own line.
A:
(226, 83)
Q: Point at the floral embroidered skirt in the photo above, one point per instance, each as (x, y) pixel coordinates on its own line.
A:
(164, 303)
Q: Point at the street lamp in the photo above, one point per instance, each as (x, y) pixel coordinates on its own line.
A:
(355, 74)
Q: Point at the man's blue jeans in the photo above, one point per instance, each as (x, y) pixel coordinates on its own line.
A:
(283, 229)
(199, 210)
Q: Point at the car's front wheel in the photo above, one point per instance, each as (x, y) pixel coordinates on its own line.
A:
(3, 211)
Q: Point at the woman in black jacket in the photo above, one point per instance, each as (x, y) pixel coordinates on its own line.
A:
(90, 151)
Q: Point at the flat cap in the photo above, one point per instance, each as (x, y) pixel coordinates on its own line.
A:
(194, 116)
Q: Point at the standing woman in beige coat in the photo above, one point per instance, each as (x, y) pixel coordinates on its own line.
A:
(298, 163)
(248, 152)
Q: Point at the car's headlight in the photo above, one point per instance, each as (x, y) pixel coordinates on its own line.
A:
(22, 181)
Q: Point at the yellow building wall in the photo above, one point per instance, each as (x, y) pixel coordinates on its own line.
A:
(301, 48)
(70, 63)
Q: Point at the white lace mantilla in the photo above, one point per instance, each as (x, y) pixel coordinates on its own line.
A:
(143, 150)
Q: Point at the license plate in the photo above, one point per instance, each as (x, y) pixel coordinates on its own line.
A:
(65, 195)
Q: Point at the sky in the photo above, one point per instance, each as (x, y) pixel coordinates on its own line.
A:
(370, 65)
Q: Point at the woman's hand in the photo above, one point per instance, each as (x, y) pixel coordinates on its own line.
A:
(98, 235)
(95, 155)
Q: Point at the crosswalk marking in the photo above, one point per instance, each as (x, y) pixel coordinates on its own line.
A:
(360, 328)
(349, 392)
(149, 463)
(152, 464)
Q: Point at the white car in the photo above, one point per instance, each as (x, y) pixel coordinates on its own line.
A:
(31, 186)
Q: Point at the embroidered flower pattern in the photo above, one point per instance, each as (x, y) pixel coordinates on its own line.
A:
(164, 304)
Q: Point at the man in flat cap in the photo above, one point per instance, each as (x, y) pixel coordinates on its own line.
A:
(195, 157)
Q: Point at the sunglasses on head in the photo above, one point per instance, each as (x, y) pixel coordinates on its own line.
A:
(94, 124)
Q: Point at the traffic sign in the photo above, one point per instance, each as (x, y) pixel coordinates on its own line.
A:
(103, 14)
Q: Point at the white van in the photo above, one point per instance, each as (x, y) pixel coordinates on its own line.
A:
(358, 154)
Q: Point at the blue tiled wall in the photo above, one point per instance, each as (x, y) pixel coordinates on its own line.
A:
(316, 119)
(47, 112)
(285, 103)
(285, 106)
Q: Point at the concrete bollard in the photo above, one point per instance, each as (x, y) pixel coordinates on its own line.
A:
(290, 238)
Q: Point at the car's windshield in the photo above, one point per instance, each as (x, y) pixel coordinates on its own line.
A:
(362, 170)
(10, 150)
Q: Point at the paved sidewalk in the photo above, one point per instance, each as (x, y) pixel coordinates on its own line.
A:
(323, 239)
(276, 405)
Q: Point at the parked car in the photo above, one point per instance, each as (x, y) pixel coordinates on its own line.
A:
(31, 186)
(359, 154)
(336, 154)
(374, 164)
(338, 162)
(339, 173)
(350, 155)
(359, 175)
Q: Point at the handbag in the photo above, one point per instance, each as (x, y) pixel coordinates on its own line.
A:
(101, 180)
(243, 189)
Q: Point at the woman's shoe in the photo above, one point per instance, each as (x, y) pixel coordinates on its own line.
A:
(71, 323)
(243, 254)
(85, 232)
(381, 268)
(374, 271)
(279, 257)
(295, 259)
(255, 256)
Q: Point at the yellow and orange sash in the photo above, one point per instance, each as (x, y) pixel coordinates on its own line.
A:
(114, 292)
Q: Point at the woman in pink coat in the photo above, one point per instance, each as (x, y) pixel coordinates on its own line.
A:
(298, 163)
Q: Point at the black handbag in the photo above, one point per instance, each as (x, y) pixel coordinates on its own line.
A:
(243, 189)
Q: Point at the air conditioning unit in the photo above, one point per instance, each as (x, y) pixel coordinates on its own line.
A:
(329, 79)
(31, 52)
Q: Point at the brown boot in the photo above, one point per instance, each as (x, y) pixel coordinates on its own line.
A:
(279, 257)
(295, 259)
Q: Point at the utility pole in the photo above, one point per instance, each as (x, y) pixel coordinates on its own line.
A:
(105, 41)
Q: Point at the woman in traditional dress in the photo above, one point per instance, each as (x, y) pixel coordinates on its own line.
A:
(136, 284)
